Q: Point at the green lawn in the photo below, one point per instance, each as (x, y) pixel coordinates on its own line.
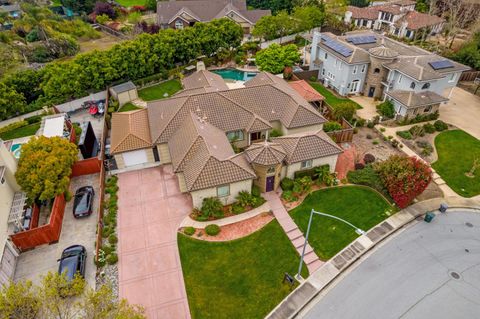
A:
(240, 278)
(128, 107)
(157, 92)
(20, 132)
(130, 3)
(360, 206)
(331, 98)
(457, 151)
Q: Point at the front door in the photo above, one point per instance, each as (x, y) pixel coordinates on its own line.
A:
(270, 183)
(371, 91)
(354, 87)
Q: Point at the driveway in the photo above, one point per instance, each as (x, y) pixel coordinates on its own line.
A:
(463, 111)
(37, 262)
(427, 271)
(150, 211)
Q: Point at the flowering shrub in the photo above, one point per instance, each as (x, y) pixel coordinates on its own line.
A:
(404, 177)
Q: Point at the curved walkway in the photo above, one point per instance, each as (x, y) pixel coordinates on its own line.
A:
(325, 275)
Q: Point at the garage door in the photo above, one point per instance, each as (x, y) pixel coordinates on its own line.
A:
(135, 158)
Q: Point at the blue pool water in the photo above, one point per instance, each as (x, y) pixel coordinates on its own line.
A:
(15, 149)
(234, 74)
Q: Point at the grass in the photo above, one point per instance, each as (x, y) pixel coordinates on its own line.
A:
(457, 151)
(128, 107)
(131, 3)
(361, 206)
(243, 276)
(20, 132)
(331, 98)
(157, 92)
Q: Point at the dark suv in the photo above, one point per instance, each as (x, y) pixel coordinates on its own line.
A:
(82, 205)
(72, 261)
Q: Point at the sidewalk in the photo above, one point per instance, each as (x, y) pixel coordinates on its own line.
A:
(291, 229)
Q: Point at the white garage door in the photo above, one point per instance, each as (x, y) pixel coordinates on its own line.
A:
(135, 158)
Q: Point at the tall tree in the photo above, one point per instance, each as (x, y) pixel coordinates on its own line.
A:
(276, 57)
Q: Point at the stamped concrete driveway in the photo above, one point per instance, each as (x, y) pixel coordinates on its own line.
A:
(463, 111)
(426, 271)
(151, 208)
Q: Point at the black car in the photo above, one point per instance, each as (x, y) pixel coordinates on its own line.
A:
(82, 205)
(73, 261)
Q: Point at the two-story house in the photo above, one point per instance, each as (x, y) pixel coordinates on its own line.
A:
(376, 66)
(397, 18)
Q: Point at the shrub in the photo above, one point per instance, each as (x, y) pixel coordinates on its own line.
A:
(427, 149)
(382, 129)
(417, 130)
(332, 126)
(287, 184)
(212, 207)
(189, 231)
(237, 208)
(405, 135)
(404, 177)
(106, 231)
(275, 133)
(108, 249)
(68, 196)
(13, 126)
(359, 166)
(375, 142)
(386, 109)
(302, 185)
(368, 177)
(212, 230)
(113, 239)
(244, 198)
(344, 110)
(255, 191)
(395, 143)
(289, 196)
(369, 136)
(368, 158)
(33, 119)
(112, 259)
(429, 128)
(370, 124)
(440, 125)
(360, 122)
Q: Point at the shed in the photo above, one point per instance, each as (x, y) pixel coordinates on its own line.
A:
(124, 92)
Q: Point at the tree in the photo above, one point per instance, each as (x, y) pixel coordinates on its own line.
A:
(404, 177)
(274, 5)
(151, 5)
(422, 6)
(79, 6)
(360, 3)
(308, 17)
(104, 8)
(276, 57)
(469, 53)
(57, 298)
(45, 166)
(386, 109)
(10, 101)
(344, 110)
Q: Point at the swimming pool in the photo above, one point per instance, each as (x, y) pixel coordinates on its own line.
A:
(234, 74)
(16, 149)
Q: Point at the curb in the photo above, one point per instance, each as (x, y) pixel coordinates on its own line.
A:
(327, 273)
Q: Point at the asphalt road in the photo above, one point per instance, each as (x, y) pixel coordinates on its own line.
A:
(412, 275)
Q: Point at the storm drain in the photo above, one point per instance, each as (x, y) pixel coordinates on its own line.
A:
(468, 224)
(455, 275)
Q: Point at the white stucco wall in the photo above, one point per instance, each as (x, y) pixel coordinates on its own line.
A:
(235, 188)
(303, 129)
(290, 170)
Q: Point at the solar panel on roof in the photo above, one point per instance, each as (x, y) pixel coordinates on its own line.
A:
(442, 64)
(336, 46)
(362, 39)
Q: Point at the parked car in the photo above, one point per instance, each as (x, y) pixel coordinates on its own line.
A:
(72, 261)
(83, 202)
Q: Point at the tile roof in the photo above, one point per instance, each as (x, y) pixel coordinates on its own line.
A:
(306, 91)
(130, 131)
(403, 2)
(206, 10)
(265, 153)
(306, 146)
(206, 80)
(416, 20)
(369, 13)
(412, 100)
(204, 155)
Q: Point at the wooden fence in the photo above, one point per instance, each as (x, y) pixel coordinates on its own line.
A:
(45, 234)
(469, 76)
(85, 167)
(341, 136)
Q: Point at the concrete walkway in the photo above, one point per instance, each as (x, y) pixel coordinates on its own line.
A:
(369, 105)
(291, 229)
(319, 281)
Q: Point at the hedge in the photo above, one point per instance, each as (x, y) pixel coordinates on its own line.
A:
(309, 172)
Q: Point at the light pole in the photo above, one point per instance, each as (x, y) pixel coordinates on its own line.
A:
(357, 230)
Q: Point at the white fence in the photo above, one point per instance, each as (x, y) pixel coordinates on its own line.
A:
(77, 104)
(288, 38)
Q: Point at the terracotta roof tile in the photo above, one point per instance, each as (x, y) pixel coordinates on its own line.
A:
(306, 91)
(265, 153)
(130, 131)
(416, 20)
(204, 79)
(412, 100)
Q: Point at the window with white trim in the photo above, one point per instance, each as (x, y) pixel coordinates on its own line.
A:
(363, 68)
(426, 86)
(306, 164)
(323, 71)
(355, 69)
(178, 24)
(427, 109)
(235, 136)
(223, 191)
(400, 78)
(412, 85)
(326, 55)
(452, 77)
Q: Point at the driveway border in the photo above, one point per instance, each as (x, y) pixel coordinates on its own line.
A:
(329, 271)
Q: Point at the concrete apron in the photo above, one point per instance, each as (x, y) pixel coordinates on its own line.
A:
(328, 272)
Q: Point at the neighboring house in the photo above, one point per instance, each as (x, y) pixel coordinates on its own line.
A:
(12, 200)
(13, 10)
(397, 18)
(181, 14)
(363, 62)
(199, 129)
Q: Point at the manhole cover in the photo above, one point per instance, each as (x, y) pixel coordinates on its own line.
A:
(454, 275)
(469, 224)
